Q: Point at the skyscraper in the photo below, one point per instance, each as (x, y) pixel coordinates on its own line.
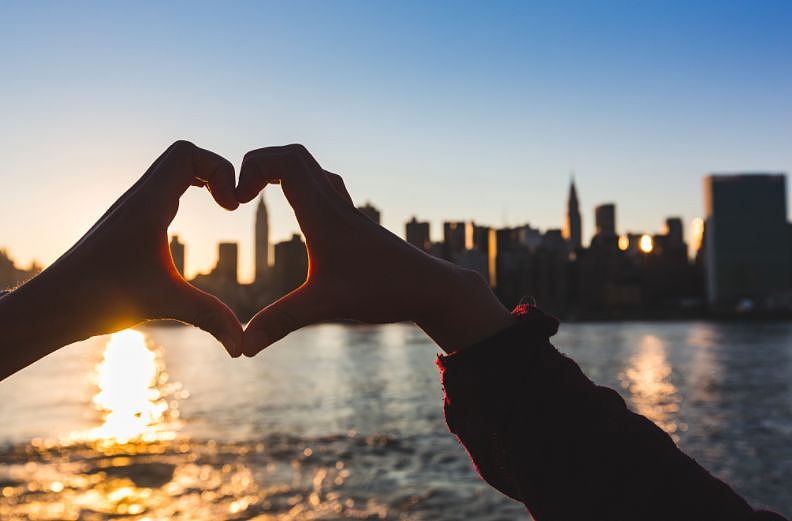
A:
(747, 250)
(370, 211)
(453, 238)
(605, 220)
(291, 264)
(573, 231)
(417, 234)
(177, 254)
(673, 232)
(227, 259)
(261, 243)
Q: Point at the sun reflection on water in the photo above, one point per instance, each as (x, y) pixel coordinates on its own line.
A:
(648, 380)
(132, 392)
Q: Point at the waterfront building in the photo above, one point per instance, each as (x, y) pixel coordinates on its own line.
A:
(747, 254)
(417, 234)
(291, 264)
(371, 212)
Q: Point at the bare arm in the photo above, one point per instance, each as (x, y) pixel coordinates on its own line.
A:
(121, 273)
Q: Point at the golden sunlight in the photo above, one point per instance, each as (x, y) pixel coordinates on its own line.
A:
(648, 380)
(131, 379)
(697, 233)
(624, 242)
(646, 243)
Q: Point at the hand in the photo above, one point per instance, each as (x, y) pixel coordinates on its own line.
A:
(121, 272)
(357, 269)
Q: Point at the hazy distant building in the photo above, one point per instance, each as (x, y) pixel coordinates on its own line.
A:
(453, 238)
(573, 230)
(528, 236)
(483, 256)
(291, 264)
(11, 275)
(227, 261)
(747, 253)
(177, 254)
(673, 232)
(261, 243)
(417, 234)
(476, 237)
(371, 212)
(605, 219)
(605, 228)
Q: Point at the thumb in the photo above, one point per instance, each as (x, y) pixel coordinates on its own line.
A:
(299, 308)
(193, 306)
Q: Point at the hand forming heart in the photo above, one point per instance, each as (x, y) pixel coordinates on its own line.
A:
(121, 272)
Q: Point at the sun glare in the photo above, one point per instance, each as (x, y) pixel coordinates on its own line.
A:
(130, 379)
(646, 244)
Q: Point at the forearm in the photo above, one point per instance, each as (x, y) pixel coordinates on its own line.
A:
(36, 319)
(544, 434)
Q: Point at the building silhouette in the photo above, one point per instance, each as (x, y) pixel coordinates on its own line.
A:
(370, 211)
(573, 230)
(747, 253)
(291, 264)
(453, 238)
(605, 219)
(222, 280)
(605, 227)
(674, 233)
(227, 262)
(261, 244)
(11, 275)
(177, 254)
(417, 233)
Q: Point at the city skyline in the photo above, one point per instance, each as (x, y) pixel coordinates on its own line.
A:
(262, 242)
(446, 112)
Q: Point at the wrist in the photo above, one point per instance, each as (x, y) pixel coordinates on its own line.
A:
(463, 310)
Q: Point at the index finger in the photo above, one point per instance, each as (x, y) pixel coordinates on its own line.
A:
(302, 179)
(185, 164)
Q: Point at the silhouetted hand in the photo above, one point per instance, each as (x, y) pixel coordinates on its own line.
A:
(121, 272)
(359, 270)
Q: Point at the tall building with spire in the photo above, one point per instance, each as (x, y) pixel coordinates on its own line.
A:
(572, 224)
(261, 243)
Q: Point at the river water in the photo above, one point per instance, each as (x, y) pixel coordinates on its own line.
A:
(345, 422)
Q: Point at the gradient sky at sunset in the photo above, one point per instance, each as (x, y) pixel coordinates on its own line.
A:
(446, 110)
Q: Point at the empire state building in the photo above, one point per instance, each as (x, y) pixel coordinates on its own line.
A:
(261, 242)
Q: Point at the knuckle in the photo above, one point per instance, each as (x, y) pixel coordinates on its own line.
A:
(182, 146)
(250, 155)
(297, 148)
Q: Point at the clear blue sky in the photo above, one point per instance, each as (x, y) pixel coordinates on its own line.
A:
(446, 110)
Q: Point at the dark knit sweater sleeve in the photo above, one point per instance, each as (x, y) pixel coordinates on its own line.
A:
(542, 433)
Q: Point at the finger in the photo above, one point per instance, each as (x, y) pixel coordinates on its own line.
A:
(184, 165)
(302, 179)
(292, 164)
(299, 308)
(337, 182)
(193, 306)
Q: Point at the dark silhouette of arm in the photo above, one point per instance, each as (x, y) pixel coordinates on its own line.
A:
(536, 427)
(544, 434)
(121, 272)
